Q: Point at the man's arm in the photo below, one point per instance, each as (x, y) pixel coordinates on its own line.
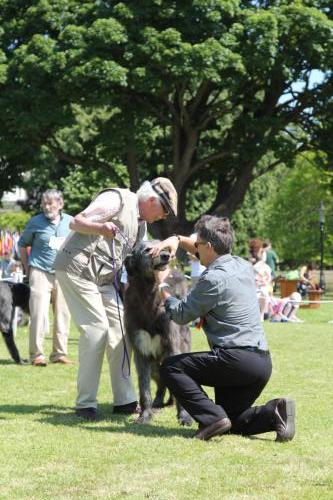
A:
(24, 259)
(82, 224)
(95, 219)
(185, 242)
(202, 299)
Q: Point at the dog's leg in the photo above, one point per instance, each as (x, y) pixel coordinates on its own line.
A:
(144, 373)
(11, 346)
(161, 387)
(183, 417)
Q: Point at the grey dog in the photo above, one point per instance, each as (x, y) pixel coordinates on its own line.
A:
(153, 335)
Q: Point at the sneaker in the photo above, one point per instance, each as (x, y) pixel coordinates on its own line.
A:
(86, 413)
(216, 429)
(285, 419)
(39, 361)
(128, 409)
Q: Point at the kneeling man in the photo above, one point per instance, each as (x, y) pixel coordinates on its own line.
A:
(238, 364)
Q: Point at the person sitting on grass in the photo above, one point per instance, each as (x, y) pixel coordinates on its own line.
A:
(284, 310)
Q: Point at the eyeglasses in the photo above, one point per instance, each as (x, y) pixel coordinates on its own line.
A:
(198, 243)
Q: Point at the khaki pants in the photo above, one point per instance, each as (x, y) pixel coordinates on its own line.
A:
(95, 312)
(43, 288)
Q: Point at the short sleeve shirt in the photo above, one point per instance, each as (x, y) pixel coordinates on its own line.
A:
(41, 234)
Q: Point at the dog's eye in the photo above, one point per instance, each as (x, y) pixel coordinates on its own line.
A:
(147, 250)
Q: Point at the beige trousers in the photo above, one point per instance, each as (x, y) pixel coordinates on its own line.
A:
(43, 288)
(95, 312)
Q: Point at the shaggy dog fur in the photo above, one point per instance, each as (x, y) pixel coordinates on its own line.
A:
(153, 335)
(12, 295)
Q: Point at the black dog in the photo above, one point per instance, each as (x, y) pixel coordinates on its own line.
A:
(153, 335)
(12, 295)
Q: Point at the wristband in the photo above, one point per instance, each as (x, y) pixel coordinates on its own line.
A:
(163, 285)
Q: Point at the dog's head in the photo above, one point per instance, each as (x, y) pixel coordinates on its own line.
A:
(141, 263)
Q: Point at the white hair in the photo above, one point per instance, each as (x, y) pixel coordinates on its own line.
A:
(53, 194)
(146, 191)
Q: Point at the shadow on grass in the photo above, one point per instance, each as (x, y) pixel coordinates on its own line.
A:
(29, 409)
(122, 423)
(8, 362)
(61, 415)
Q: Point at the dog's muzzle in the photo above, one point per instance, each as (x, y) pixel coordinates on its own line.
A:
(161, 260)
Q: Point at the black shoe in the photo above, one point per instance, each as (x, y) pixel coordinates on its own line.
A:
(285, 419)
(129, 409)
(216, 429)
(86, 413)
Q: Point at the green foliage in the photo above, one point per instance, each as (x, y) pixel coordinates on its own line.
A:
(14, 220)
(250, 221)
(79, 187)
(292, 221)
(200, 91)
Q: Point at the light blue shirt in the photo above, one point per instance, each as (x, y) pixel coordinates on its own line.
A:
(225, 297)
(37, 235)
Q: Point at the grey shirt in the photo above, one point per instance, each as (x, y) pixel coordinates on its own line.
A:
(225, 297)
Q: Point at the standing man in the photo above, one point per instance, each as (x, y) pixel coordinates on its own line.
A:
(44, 233)
(238, 364)
(272, 260)
(88, 268)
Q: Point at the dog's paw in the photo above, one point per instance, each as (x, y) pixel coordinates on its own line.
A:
(22, 362)
(144, 417)
(185, 419)
(158, 404)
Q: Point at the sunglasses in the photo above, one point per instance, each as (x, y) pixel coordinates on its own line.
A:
(198, 243)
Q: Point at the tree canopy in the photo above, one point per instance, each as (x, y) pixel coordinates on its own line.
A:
(210, 93)
(292, 214)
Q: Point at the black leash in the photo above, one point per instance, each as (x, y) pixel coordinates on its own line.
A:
(117, 288)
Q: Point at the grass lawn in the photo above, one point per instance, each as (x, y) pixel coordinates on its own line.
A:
(46, 452)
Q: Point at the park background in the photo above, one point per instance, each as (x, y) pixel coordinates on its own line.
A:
(230, 99)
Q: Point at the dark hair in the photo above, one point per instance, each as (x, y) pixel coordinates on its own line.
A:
(255, 246)
(216, 230)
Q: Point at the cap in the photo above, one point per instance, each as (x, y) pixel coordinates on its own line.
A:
(167, 194)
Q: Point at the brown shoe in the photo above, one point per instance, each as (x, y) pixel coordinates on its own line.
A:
(63, 360)
(39, 361)
(285, 419)
(216, 429)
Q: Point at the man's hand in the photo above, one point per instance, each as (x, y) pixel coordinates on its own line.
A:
(109, 230)
(171, 243)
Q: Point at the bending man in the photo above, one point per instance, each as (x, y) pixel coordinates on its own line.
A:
(87, 269)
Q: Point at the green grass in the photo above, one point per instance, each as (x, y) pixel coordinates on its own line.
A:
(45, 452)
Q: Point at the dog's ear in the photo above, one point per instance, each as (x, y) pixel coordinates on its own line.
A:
(130, 264)
(21, 294)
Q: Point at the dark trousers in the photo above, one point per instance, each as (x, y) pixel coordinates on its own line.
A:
(238, 377)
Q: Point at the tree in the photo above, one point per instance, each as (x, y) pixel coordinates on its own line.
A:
(202, 92)
(292, 221)
(250, 221)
